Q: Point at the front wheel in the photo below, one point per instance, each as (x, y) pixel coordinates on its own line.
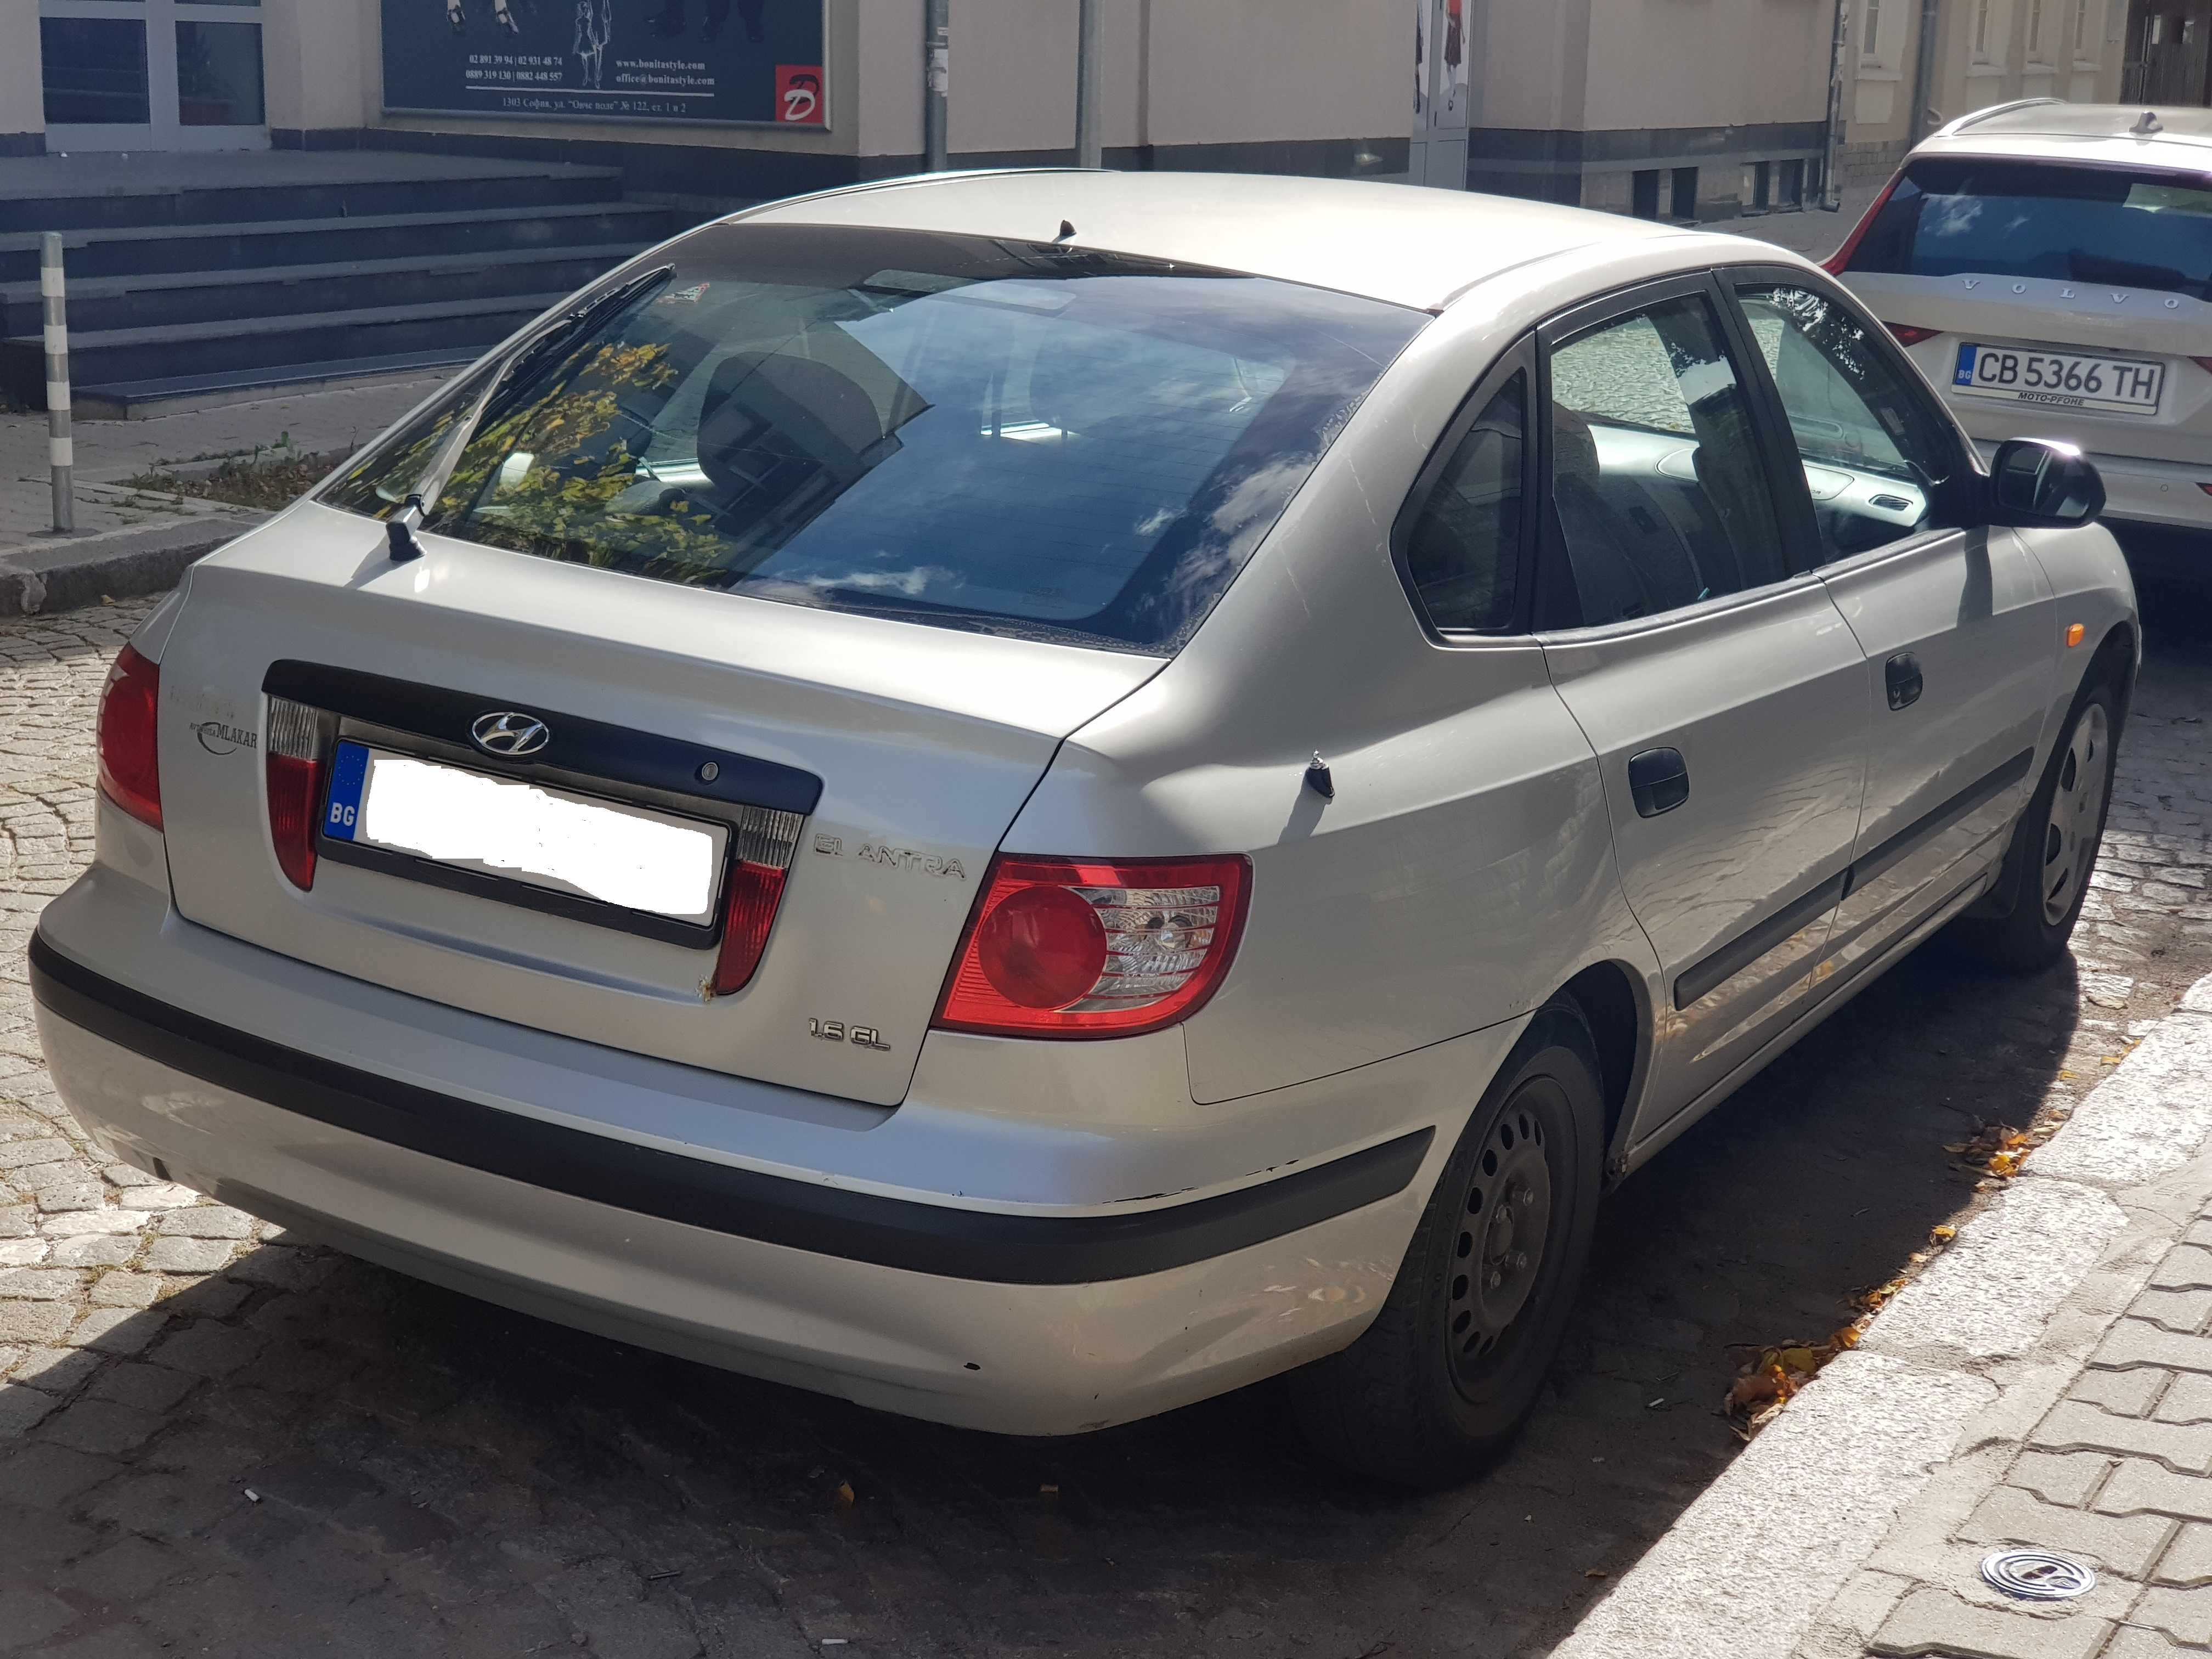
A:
(1437, 1387)
(2055, 848)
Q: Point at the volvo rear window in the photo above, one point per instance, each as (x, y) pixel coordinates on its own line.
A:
(2126, 226)
(1007, 436)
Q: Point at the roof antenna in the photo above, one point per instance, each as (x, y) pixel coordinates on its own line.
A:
(2148, 125)
(1318, 778)
(1066, 230)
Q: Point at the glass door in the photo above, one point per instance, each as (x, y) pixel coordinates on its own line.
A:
(158, 75)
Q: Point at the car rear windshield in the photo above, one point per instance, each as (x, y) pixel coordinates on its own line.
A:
(1008, 436)
(2140, 227)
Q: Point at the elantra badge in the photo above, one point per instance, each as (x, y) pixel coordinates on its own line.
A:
(509, 735)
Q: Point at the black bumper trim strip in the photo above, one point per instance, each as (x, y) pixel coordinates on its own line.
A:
(891, 1232)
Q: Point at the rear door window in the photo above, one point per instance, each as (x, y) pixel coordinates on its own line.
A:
(2138, 228)
(1009, 436)
(1660, 496)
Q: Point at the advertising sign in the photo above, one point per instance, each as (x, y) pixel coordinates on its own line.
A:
(728, 62)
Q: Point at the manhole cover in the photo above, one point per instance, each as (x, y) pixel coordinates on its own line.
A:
(2037, 1575)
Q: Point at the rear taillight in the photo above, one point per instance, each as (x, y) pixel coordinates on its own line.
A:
(293, 766)
(1840, 261)
(1908, 334)
(2204, 363)
(758, 864)
(1085, 948)
(2206, 488)
(130, 761)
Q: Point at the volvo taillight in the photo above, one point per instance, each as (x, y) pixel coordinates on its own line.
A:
(293, 763)
(129, 761)
(1094, 947)
(1840, 261)
(1911, 334)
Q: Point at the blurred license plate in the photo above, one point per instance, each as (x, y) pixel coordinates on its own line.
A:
(2063, 380)
(630, 856)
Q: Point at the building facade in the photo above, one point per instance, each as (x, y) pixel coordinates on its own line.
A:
(1682, 109)
(1918, 63)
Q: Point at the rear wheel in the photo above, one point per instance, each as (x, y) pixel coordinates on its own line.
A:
(1438, 1386)
(2054, 849)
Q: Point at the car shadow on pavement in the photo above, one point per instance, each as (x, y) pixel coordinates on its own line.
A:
(323, 1450)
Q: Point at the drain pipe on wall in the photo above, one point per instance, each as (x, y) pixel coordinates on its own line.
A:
(1831, 189)
(1923, 71)
(936, 73)
(60, 449)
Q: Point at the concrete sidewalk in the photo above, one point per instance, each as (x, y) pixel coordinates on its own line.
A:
(131, 540)
(2046, 1383)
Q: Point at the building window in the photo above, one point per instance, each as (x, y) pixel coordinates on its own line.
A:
(1870, 43)
(1982, 31)
(1684, 193)
(1643, 193)
(2080, 28)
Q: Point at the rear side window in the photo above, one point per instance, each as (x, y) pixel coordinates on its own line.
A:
(2143, 228)
(1006, 436)
(1463, 552)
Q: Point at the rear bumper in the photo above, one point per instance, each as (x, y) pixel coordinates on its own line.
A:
(1022, 1322)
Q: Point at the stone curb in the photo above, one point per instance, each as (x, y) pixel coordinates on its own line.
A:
(1965, 1359)
(35, 579)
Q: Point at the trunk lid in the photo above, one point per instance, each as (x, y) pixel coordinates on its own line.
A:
(926, 742)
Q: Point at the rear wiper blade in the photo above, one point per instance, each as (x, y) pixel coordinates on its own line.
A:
(577, 320)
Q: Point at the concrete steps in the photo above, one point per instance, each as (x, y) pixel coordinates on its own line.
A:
(266, 277)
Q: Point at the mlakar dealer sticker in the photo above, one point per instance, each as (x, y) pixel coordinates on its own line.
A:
(220, 738)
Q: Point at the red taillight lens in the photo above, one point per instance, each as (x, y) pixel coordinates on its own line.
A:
(1907, 334)
(2206, 488)
(748, 912)
(1084, 948)
(2204, 363)
(293, 769)
(129, 761)
(1840, 261)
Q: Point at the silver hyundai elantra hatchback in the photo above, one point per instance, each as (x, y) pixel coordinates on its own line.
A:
(1029, 797)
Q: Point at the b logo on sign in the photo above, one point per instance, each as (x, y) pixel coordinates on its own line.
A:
(798, 94)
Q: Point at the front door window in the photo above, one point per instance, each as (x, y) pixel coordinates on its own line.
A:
(125, 74)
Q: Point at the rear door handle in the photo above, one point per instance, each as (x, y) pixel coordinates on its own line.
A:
(1658, 782)
(1901, 674)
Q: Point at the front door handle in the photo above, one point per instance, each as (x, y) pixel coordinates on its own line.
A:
(1658, 782)
(1901, 674)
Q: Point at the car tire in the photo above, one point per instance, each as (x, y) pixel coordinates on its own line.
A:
(2054, 847)
(1436, 1389)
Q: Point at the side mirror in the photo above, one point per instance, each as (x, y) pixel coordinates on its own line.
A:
(2037, 483)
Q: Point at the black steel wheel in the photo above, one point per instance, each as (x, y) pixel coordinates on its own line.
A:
(1438, 1386)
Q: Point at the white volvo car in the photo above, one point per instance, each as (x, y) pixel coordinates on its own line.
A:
(2049, 265)
(1029, 797)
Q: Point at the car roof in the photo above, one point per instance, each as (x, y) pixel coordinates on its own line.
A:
(2046, 129)
(1405, 243)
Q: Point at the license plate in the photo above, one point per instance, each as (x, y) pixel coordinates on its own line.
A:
(2062, 380)
(618, 853)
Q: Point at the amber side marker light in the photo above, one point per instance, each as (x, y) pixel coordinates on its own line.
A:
(2075, 632)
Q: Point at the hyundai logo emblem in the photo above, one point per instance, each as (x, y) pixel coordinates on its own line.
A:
(509, 735)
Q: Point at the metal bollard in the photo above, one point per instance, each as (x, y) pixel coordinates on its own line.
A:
(60, 451)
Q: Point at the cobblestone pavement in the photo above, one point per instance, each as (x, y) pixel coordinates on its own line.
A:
(212, 1440)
